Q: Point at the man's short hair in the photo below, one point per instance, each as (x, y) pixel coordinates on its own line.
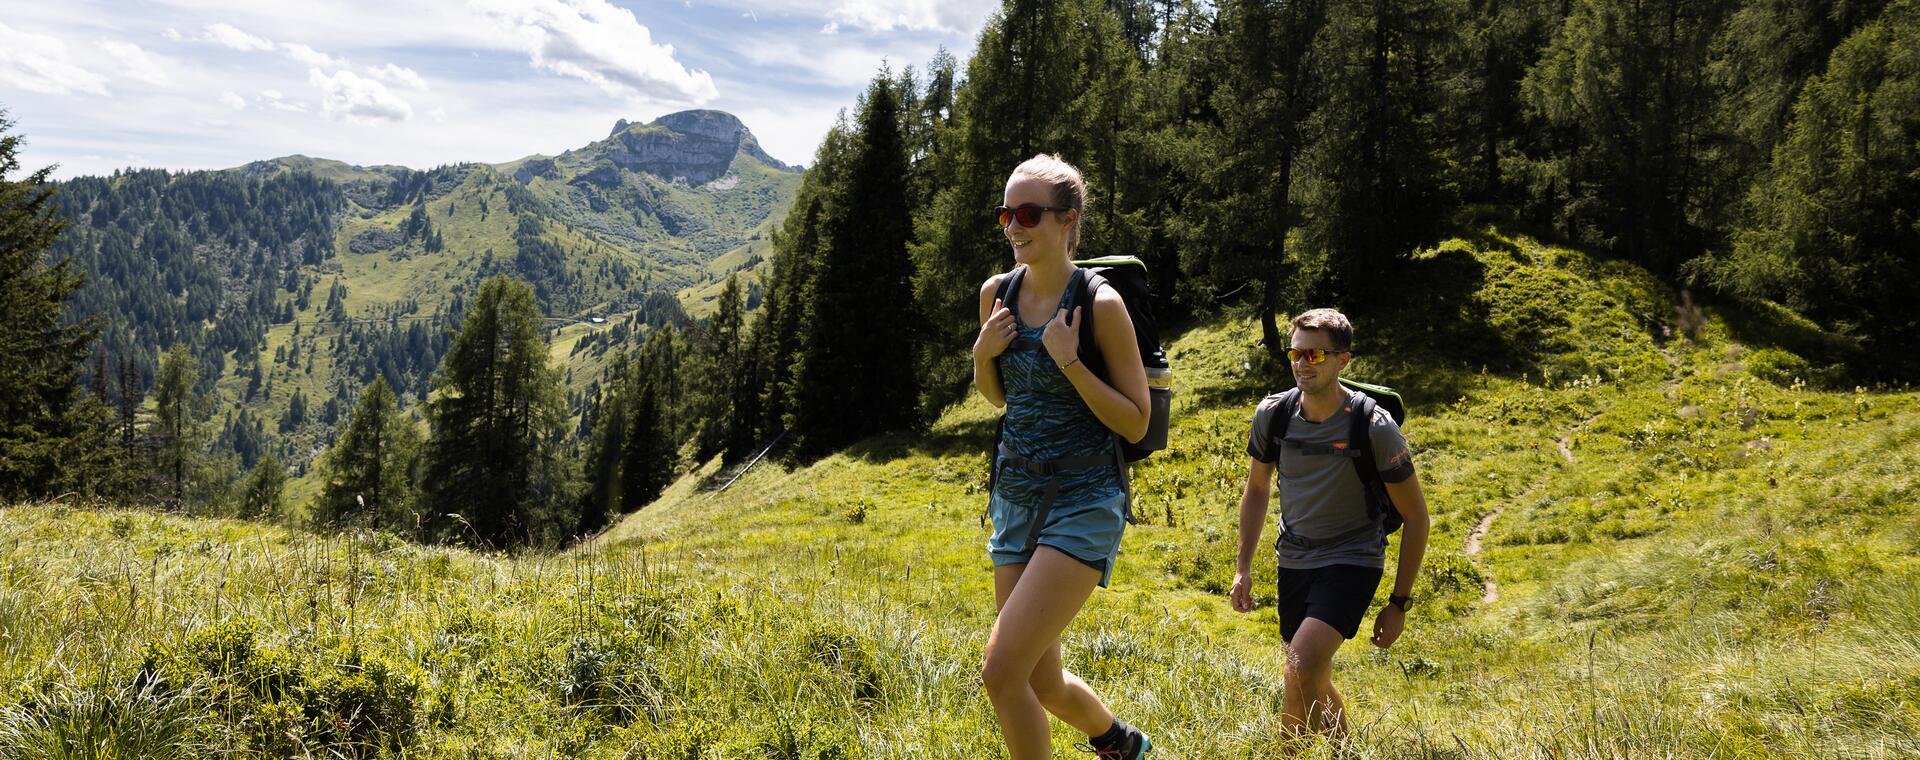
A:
(1331, 322)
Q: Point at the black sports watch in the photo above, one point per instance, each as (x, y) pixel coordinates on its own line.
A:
(1400, 601)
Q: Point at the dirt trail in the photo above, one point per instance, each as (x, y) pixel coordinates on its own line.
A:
(1476, 540)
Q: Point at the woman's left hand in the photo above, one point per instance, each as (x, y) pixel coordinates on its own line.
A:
(1062, 337)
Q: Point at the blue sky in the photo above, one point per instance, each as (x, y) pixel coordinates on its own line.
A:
(204, 84)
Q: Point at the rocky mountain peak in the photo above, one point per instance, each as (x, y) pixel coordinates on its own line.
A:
(688, 147)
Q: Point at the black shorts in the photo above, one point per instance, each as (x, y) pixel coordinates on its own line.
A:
(1337, 595)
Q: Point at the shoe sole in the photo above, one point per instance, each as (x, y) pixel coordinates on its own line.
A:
(1146, 744)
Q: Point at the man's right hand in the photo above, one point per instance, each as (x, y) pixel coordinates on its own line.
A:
(996, 333)
(1242, 594)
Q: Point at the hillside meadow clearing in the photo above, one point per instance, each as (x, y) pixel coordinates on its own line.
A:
(1652, 538)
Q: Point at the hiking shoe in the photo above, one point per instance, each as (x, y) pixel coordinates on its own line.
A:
(1132, 746)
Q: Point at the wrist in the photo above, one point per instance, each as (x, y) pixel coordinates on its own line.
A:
(1068, 365)
(1400, 601)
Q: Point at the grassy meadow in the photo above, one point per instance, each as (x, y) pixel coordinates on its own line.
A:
(1653, 537)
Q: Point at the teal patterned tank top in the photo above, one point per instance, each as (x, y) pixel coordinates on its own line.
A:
(1046, 419)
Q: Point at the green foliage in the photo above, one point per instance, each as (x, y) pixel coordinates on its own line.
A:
(854, 374)
(492, 463)
(368, 477)
(38, 387)
(263, 492)
(179, 415)
(1624, 93)
(1835, 211)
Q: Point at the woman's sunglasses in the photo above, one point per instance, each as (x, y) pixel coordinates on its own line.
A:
(1028, 215)
(1312, 355)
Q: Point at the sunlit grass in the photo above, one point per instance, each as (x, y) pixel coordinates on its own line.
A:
(1690, 561)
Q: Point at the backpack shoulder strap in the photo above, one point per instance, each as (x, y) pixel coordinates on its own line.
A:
(1360, 438)
(1009, 285)
(1283, 413)
(1086, 284)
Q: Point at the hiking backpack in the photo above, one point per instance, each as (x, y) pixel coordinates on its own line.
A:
(1380, 507)
(1127, 276)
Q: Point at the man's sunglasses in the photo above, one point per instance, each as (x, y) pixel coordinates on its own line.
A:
(1029, 215)
(1312, 355)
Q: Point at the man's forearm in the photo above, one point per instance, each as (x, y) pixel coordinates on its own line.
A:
(1413, 549)
(1253, 519)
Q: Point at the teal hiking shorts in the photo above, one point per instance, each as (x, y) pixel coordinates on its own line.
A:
(1089, 533)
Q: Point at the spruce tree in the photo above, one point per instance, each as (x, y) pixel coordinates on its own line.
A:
(1628, 108)
(367, 477)
(39, 376)
(1246, 203)
(492, 470)
(178, 429)
(859, 333)
(261, 494)
(650, 448)
(1833, 228)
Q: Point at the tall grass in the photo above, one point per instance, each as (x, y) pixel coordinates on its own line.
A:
(1719, 565)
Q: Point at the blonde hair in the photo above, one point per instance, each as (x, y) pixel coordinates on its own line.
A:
(1069, 189)
(1331, 322)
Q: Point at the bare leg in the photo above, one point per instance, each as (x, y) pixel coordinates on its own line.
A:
(1312, 703)
(1037, 602)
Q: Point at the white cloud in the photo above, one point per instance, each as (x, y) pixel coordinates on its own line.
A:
(172, 34)
(399, 75)
(277, 100)
(597, 42)
(912, 15)
(349, 96)
(827, 63)
(832, 27)
(38, 63)
(311, 57)
(233, 100)
(232, 37)
(136, 62)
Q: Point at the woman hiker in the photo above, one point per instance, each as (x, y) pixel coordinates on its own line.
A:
(1059, 496)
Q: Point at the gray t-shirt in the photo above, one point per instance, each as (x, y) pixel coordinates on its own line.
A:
(1320, 495)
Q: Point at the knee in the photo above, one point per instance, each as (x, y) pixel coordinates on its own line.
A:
(1309, 664)
(1001, 676)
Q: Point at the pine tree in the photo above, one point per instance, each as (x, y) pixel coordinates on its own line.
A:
(179, 413)
(1246, 203)
(497, 418)
(1374, 191)
(858, 337)
(646, 467)
(262, 493)
(367, 477)
(1833, 228)
(39, 377)
(717, 361)
(1628, 108)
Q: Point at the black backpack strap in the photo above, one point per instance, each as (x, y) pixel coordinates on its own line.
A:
(1360, 440)
(1009, 285)
(1086, 285)
(1283, 413)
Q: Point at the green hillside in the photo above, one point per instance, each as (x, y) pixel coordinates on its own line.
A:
(1650, 540)
(297, 280)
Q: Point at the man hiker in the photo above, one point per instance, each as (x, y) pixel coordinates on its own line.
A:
(1332, 546)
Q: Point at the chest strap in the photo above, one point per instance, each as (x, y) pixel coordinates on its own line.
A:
(1315, 543)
